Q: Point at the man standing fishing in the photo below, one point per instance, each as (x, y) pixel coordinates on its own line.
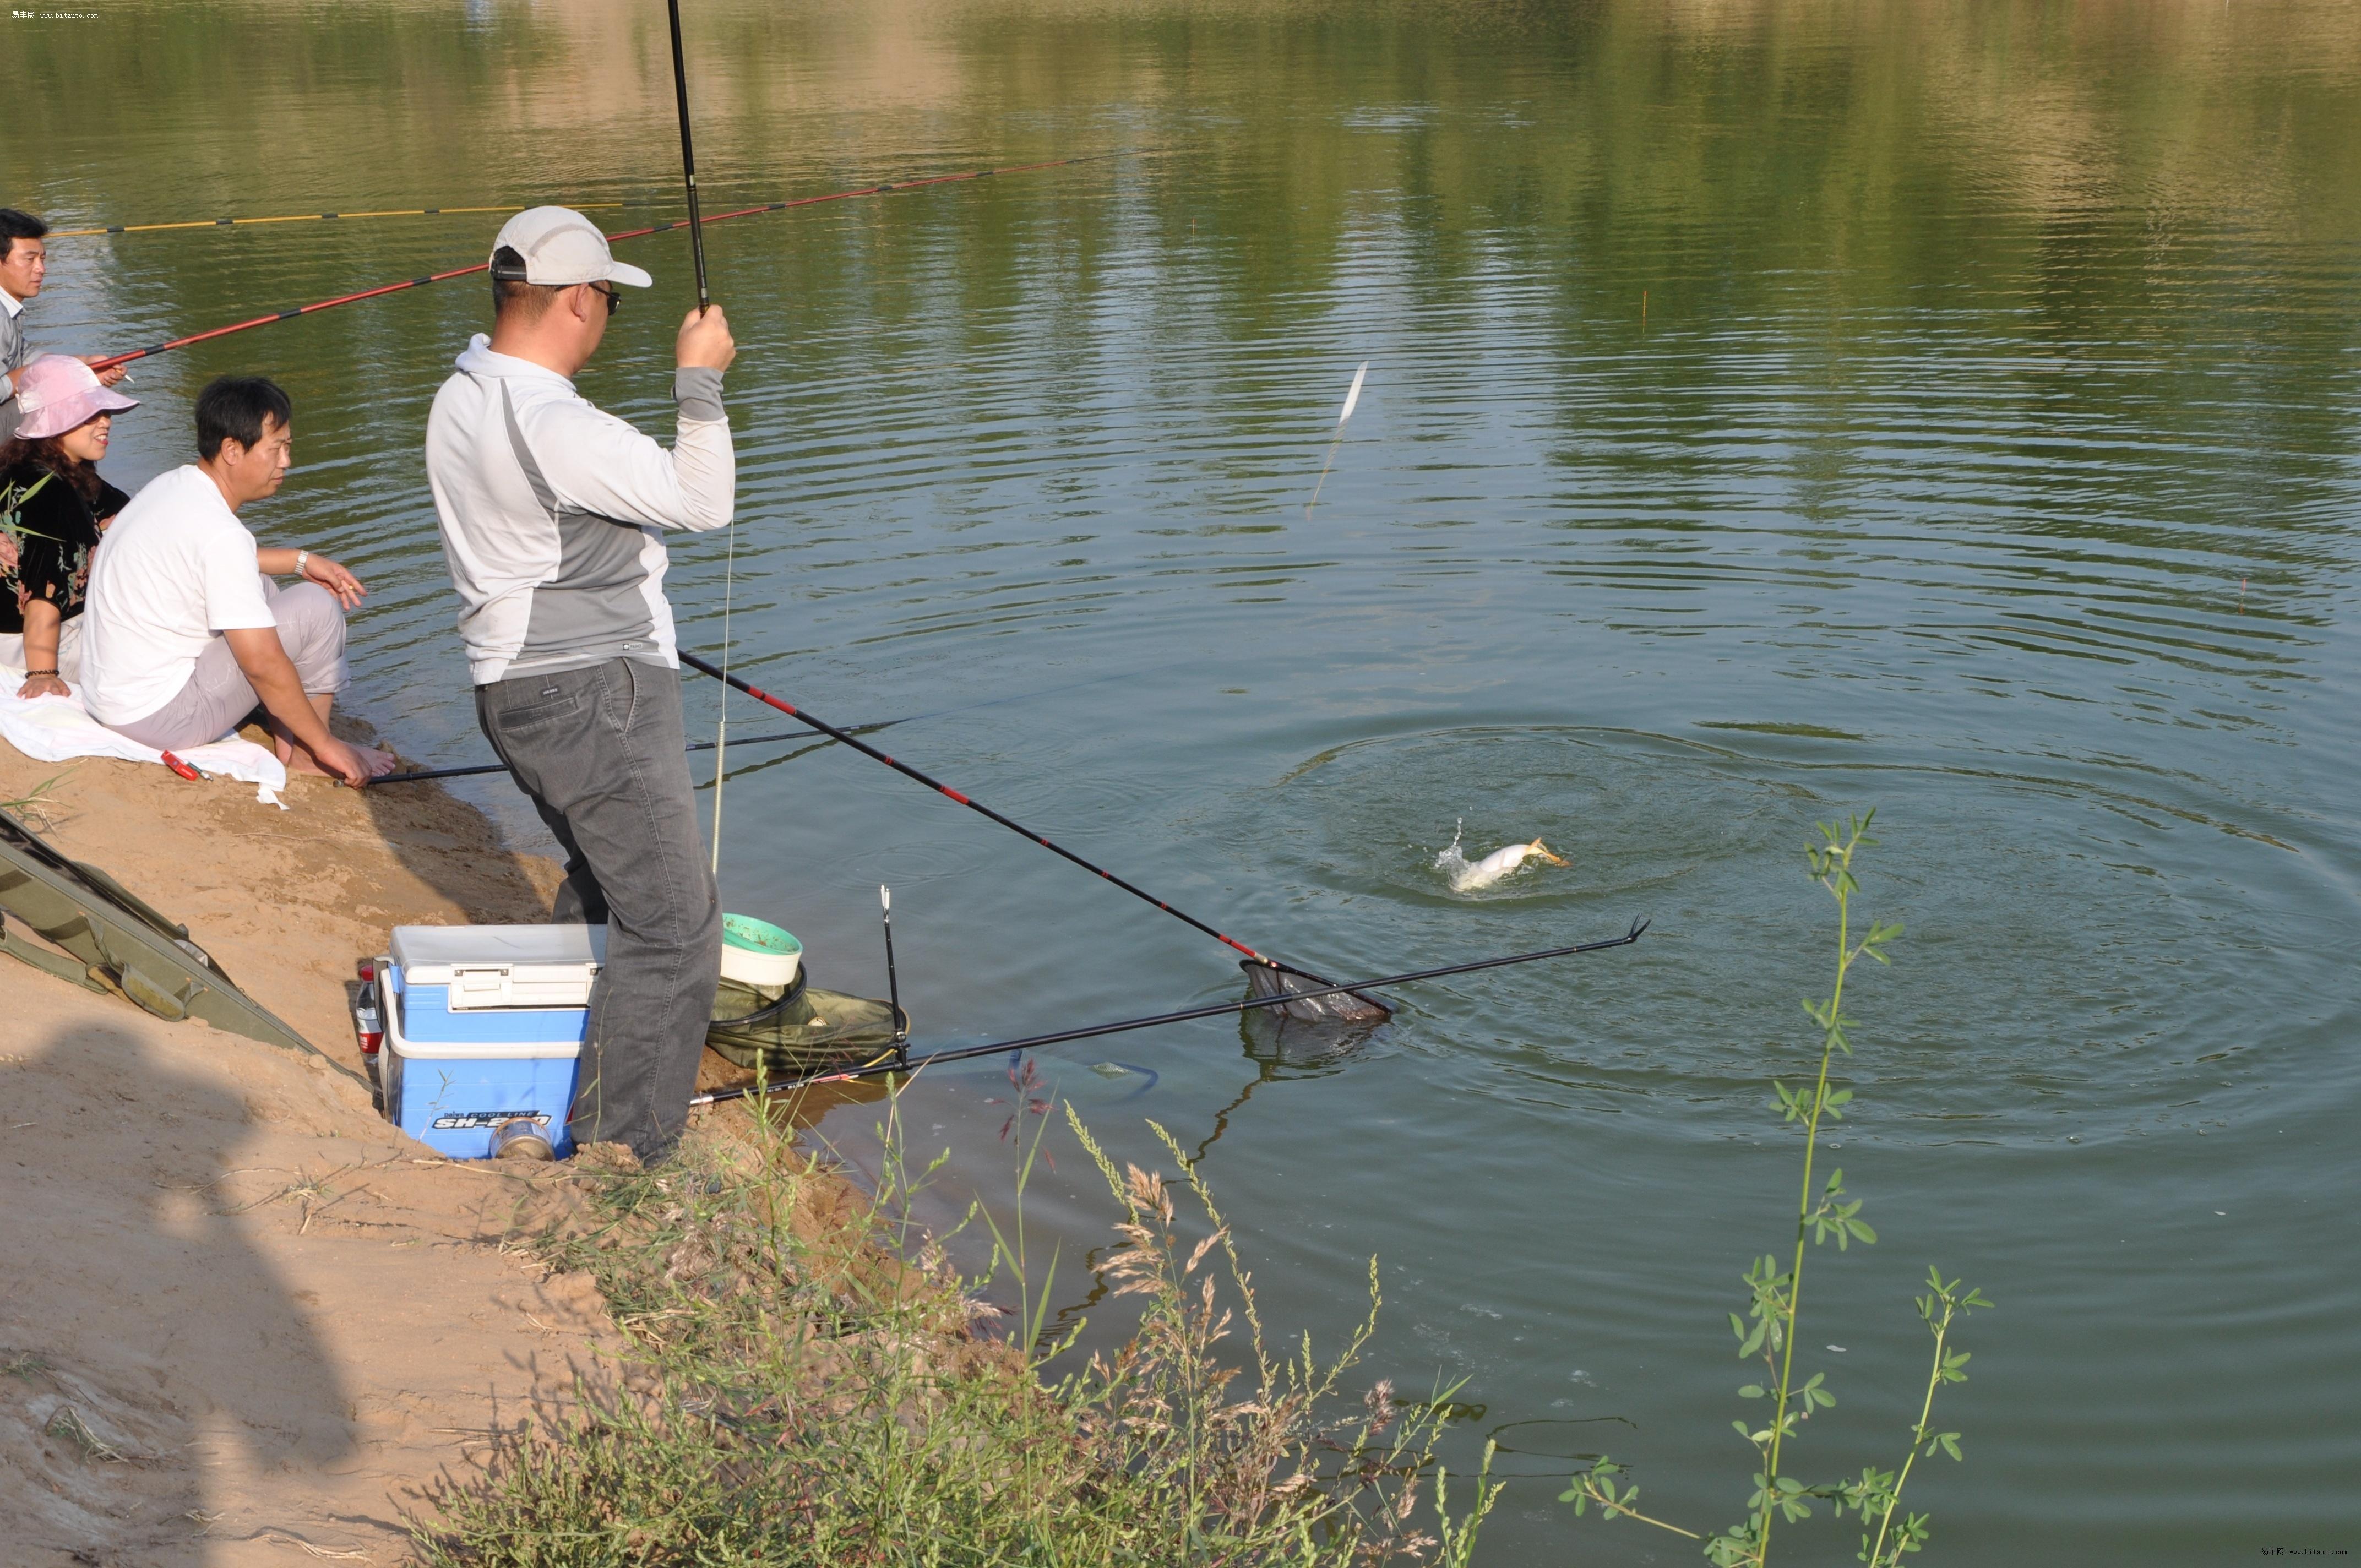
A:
(552, 518)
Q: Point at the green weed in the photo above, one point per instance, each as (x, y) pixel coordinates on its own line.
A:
(1775, 1299)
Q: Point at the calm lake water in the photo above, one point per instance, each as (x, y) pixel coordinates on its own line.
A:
(1772, 411)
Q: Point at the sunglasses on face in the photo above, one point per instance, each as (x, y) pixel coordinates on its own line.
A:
(613, 296)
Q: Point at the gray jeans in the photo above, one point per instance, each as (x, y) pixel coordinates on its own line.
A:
(218, 694)
(600, 752)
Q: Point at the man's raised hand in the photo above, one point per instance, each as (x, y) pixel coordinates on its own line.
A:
(705, 342)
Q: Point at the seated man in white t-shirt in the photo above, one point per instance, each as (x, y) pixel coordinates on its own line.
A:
(187, 632)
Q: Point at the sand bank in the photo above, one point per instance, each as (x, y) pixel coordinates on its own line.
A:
(243, 1320)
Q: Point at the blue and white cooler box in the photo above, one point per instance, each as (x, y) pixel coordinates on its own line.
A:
(483, 1026)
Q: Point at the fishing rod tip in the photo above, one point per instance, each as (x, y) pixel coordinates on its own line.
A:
(885, 898)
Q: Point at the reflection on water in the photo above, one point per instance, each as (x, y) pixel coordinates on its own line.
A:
(1771, 411)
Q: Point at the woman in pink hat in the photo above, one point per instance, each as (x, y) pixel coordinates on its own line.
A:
(52, 508)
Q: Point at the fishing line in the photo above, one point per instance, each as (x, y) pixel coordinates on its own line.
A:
(878, 189)
(1216, 1010)
(323, 217)
(705, 303)
(1273, 967)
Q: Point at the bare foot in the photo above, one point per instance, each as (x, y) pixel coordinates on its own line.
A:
(299, 762)
(379, 763)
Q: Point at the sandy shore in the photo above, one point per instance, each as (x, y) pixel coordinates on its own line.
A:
(243, 1321)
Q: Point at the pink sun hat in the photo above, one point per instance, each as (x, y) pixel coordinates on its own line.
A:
(57, 392)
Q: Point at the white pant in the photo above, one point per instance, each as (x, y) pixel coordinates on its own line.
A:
(12, 654)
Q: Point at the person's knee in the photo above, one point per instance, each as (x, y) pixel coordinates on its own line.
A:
(308, 611)
(312, 630)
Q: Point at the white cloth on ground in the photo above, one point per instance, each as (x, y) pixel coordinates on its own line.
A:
(177, 570)
(57, 730)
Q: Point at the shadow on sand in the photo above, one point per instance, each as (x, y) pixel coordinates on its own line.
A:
(147, 1347)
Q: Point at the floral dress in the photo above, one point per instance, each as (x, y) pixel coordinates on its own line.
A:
(46, 534)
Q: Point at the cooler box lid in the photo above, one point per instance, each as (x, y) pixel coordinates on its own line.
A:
(503, 966)
(402, 1045)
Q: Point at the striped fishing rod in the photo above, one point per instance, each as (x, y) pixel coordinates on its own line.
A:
(326, 217)
(1267, 975)
(881, 189)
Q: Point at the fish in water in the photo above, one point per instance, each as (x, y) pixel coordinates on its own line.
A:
(1468, 876)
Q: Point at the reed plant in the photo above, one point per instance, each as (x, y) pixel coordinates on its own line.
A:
(1775, 1300)
(811, 1381)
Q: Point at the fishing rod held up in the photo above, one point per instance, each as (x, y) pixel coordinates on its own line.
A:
(1091, 1031)
(688, 157)
(1282, 977)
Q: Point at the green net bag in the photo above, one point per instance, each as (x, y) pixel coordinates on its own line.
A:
(798, 1030)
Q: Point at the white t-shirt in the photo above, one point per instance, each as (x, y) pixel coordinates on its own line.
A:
(174, 571)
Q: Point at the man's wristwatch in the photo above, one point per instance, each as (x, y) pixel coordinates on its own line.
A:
(301, 558)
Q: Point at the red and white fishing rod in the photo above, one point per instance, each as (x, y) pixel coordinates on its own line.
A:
(906, 770)
(881, 189)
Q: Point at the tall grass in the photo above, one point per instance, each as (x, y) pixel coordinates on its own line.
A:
(1768, 1332)
(812, 1382)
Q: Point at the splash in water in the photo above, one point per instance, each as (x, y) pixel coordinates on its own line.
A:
(1466, 876)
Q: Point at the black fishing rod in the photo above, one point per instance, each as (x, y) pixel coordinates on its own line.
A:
(1216, 1010)
(475, 769)
(423, 774)
(847, 737)
(687, 158)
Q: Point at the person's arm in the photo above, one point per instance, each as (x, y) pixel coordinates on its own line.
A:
(330, 574)
(50, 518)
(108, 377)
(41, 624)
(264, 660)
(601, 465)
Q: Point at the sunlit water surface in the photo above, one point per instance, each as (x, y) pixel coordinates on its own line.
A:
(1772, 413)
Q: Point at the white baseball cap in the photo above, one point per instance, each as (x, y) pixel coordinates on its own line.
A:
(561, 247)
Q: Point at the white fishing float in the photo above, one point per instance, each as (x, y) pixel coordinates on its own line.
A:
(1352, 398)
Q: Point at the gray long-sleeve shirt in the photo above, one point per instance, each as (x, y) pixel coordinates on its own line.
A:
(554, 513)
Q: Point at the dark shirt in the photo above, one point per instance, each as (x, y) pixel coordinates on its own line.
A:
(47, 534)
